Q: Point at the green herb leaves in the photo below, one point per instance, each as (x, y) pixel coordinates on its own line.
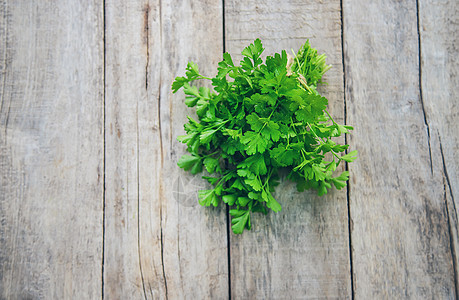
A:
(262, 117)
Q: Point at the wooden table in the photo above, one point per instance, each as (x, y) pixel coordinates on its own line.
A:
(92, 204)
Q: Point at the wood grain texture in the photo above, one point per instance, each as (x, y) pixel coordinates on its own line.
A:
(302, 251)
(159, 242)
(400, 236)
(195, 238)
(125, 64)
(439, 40)
(439, 44)
(51, 149)
(86, 101)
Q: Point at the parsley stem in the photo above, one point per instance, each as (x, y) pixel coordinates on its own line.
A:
(312, 130)
(224, 177)
(321, 141)
(269, 118)
(293, 127)
(219, 124)
(334, 123)
(204, 77)
(213, 153)
(303, 83)
(267, 178)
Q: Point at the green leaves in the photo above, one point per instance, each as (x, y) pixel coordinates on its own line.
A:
(194, 95)
(192, 73)
(310, 65)
(253, 51)
(309, 107)
(255, 122)
(254, 142)
(208, 197)
(211, 164)
(240, 220)
(350, 157)
(188, 162)
(271, 131)
(259, 118)
(340, 181)
(267, 128)
(271, 202)
(256, 164)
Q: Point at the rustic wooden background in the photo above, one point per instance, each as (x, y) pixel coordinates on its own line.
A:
(92, 204)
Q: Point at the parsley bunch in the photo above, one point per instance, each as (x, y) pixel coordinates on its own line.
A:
(261, 117)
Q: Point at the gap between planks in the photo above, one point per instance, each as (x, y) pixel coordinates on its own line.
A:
(346, 165)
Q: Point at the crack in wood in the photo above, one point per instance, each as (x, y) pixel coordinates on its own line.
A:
(445, 171)
(146, 40)
(450, 230)
(178, 239)
(228, 244)
(421, 96)
(105, 151)
(138, 206)
(5, 64)
(145, 32)
(346, 165)
(451, 244)
(162, 262)
(151, 291)
(161, 187)
(161, 148)
(146, 11)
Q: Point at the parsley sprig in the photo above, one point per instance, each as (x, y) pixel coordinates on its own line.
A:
(261, 117)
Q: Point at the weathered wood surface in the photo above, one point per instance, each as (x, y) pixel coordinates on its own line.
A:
(400, 238)
(92, 204)
(158, 241)
(439, 46)
(51, 150)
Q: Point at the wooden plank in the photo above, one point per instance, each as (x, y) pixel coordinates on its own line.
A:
(195, 240)
(439, 40)
(302, 251)
(51, 149)
(400, 237)
(159, 242)
(125, 63)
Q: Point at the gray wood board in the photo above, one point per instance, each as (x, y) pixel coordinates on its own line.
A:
(159, 242)
(439, 41)
(400, 235)
(51, 150)
(304, 249)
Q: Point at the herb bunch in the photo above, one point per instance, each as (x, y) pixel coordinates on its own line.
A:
(260, 118)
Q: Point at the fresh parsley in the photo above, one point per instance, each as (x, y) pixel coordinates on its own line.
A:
(261, 117)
